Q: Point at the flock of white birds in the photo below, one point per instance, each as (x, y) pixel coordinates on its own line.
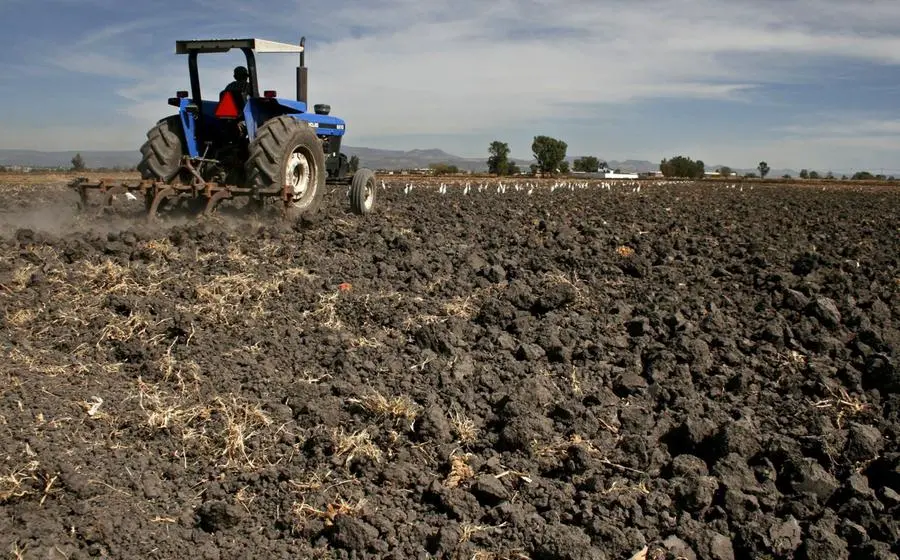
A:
(501, 186)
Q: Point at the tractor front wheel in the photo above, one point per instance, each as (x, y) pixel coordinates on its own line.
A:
(362, 191)
(287, 158)
(161, 153)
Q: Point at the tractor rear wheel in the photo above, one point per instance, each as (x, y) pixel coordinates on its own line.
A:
(161, 153)
(287, 157)
(362, 191)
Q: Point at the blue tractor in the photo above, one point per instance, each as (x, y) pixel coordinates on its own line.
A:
(243, 142)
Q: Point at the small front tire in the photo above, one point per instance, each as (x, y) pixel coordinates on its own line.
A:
(362, 191)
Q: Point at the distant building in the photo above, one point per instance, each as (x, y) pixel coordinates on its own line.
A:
(614, 175)
(606, 174)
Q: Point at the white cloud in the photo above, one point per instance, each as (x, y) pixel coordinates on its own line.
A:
(851, 141)
(846, 125)
(843, 143)
(465, 66)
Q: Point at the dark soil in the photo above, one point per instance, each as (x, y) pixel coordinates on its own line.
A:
(687, 371)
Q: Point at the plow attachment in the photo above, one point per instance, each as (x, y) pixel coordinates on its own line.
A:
(157, 196)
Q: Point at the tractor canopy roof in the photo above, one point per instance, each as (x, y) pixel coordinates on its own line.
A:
(225, 45)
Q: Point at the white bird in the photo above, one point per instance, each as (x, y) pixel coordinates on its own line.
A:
(130, 196)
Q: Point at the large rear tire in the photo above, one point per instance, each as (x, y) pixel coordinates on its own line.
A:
(161, 153)
(287, 154)
(362, 191)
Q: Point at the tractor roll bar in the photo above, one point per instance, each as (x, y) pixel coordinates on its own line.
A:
(248, 46)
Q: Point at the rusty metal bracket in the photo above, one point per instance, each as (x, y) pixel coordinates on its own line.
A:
(156, 193)
(214, 200)
(162, 194)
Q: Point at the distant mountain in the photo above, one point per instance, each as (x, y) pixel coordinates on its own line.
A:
(398, 159)
(773, 173)
(369, 157)
(374, 158)
(626, 166)
(34, 158)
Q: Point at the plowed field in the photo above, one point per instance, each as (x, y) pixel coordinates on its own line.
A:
(689, 370)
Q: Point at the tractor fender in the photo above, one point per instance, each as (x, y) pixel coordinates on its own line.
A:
(292, 105)
(297, 109)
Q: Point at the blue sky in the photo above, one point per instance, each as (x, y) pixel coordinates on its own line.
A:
(797, 83)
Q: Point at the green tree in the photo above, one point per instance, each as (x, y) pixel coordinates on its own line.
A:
(549, 153)
(512, 168)
(813, 174)
(354, 163)
(78, 162)
(763, 169)
(725, 171)
(498, 163)
(443, 169)
(804, 174)
(862, 176)
(588, 164)
(564, 167)
(682, 166)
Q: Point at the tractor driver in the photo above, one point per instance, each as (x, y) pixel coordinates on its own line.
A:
(241, 83)
(241, 87)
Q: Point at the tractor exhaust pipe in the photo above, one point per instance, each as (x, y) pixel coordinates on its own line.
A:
(302, 74)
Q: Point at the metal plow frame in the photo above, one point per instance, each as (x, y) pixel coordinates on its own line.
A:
(156, 193)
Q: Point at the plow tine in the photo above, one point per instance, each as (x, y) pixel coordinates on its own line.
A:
(111, 193)
(82, 194)
(214, 200)
(161, 195)
(80, 184)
